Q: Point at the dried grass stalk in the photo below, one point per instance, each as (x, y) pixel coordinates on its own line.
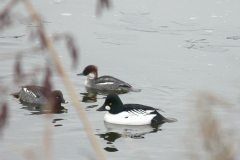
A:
(215, 143)
(48, 44)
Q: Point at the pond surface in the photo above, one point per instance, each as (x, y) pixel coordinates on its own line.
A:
(168, 49)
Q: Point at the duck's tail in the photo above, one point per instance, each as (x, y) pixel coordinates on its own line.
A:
(160, 119)
(170, 120)
(135, 90)
(16, 95)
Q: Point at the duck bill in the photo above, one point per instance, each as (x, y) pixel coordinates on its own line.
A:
(80, 74)
(63, 101)
(102, 108)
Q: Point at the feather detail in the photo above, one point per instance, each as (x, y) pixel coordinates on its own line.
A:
(29, 92)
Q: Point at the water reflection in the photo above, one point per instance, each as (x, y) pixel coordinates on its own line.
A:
(116, 131)
(91, 95)
(88, 108)
(56, 120)
(40, 109)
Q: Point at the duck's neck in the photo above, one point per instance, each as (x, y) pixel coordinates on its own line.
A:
(89, 82)
(90, 79)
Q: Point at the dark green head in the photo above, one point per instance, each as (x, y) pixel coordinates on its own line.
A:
(112, 104)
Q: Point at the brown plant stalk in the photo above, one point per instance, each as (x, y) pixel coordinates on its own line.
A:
(73, 94)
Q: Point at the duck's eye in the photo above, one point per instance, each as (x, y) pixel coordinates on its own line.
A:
(57, 97)
(110, 104)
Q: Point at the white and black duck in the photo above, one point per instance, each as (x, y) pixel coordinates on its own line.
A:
(105, 83)
(130, 114)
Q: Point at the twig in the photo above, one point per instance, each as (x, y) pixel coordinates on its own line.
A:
(4, 19)
(73, 94)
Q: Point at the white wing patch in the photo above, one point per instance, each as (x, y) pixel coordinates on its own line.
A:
(105, 83)
(30, 92)
(139, 112)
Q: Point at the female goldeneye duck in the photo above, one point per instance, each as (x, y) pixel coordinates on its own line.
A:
(39, 95)
(105, 82)
(130, 114)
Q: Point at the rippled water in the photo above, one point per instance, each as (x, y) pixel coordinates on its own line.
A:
(169, 49)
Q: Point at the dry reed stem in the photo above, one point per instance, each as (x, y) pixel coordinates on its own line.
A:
(28, 153)
(73, 94)
(5, 20)
(216, 143)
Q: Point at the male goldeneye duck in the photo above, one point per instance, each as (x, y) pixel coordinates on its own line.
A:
(105, 82)
(130, 114)
(39, 95)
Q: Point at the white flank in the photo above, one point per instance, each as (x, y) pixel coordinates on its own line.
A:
(123, 128)
(129, 118)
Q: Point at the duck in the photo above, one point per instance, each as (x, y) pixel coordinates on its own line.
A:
(130, 114)
(39, 95)
(104, 83)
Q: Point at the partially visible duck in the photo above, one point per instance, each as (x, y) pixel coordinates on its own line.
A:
(130, 114)
(107, 83)
(39, 95)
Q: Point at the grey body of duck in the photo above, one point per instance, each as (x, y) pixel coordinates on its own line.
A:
(105, 82)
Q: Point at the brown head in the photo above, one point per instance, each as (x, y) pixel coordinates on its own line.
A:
(90, 71)
(57, 97)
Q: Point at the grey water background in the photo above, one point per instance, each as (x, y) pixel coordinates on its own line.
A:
(169, 49)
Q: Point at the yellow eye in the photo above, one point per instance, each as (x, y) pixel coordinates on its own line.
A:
(110, 104)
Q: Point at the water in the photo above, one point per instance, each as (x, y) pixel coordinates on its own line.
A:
(169, 49)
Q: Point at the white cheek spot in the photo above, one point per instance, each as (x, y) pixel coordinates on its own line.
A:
(107, 108)
(91, 75)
